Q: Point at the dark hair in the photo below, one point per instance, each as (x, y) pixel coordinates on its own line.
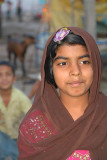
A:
(7, 63)
(70, 39)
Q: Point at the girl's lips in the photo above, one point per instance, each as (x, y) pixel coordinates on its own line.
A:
(75, 84)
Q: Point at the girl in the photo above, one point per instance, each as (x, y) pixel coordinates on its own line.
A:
(68, 117)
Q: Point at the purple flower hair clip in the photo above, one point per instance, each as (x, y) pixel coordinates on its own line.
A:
(61, 34)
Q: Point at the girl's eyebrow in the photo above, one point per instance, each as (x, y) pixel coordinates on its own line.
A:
(83, 56)
(65, 58)
(60, 57)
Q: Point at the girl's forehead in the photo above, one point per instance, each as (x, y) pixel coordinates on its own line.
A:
(73, 51)
(66, 46)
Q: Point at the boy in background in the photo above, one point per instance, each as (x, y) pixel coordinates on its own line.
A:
(13, 106)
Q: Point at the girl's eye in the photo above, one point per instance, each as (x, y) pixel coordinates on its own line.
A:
(85, 62)
(62, 63)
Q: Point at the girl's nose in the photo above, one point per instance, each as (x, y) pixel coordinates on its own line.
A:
(75, 69)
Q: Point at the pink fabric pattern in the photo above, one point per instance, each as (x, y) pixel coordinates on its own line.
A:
(80, 155)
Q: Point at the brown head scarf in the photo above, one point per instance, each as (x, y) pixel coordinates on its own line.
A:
(89, 132)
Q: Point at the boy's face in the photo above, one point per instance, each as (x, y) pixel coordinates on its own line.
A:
(73, 71)
(6, 77)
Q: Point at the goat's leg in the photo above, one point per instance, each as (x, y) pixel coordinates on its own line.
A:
(15, 61)
(23, 68)
(9, 56)
(22, 65)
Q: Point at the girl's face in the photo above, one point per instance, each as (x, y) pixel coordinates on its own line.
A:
(72, 70)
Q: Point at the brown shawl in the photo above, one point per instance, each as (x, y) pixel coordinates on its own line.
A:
(89, 132)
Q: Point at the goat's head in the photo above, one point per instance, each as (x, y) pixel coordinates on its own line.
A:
(29, 39)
